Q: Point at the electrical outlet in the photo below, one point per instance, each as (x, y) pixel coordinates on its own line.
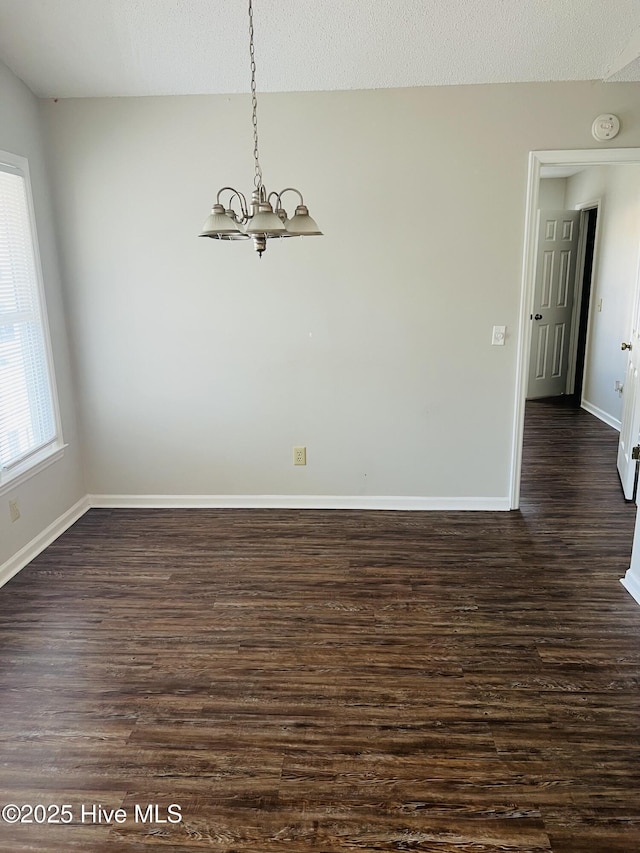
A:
(299, 455)
(14, 510)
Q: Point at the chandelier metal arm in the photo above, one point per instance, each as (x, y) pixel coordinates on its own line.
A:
(244, 209)
(286, 190)
(291, 190)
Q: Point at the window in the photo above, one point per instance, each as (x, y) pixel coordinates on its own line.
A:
(29, 421)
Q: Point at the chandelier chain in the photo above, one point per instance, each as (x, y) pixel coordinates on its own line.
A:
(254, 102)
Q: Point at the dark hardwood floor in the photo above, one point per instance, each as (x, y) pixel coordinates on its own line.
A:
(335, 681)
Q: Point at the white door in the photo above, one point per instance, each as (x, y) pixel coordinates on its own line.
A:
(630, 428)
(556, 261)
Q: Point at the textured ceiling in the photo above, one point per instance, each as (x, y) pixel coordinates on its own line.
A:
(87, 48)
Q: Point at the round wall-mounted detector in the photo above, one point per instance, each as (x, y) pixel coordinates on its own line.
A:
(605, 127)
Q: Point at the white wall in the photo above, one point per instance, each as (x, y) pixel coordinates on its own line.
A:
(615, 275)
(48, 495)
(199, 366)
(552, 192)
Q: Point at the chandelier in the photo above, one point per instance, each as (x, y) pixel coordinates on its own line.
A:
(265, 218)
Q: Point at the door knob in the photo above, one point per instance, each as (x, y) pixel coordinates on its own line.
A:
(626, 346)
(538, 317)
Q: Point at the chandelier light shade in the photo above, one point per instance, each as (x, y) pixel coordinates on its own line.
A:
(265, 217)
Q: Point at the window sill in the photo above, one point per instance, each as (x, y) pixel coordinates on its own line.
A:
(22, 473)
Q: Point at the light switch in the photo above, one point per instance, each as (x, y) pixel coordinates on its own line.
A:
(499, 334)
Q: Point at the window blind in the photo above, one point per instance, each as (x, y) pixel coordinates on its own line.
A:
(27, 419)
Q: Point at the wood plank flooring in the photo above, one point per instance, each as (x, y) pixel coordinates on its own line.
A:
(336, 681)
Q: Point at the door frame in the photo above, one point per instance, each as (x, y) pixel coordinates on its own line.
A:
(537, 159)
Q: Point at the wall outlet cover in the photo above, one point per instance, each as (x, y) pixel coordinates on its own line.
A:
(14, 510)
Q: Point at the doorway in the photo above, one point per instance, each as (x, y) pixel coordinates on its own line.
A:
(537, 161)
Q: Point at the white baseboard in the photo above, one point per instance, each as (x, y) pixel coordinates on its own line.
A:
(601, 414)
(298, 502)
(42, 540)
(30, 551)
(631, 584)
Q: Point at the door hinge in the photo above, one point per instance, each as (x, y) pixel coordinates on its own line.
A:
(635, 452)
